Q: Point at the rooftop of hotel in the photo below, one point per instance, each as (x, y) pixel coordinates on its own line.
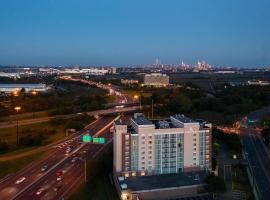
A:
(140, 120)
(182, 118)
(138, 183)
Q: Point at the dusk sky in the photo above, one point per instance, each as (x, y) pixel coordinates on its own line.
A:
(125, 32)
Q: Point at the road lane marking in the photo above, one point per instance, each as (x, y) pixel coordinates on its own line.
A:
(260, 161)
(61, 161)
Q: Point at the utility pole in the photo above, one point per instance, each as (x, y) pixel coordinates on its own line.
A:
(17, 108)
(140, 102)
(152, 108)
(17, 131)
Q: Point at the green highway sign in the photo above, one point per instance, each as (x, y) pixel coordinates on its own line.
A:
(99, 140)
(87, 138)
(102, 140)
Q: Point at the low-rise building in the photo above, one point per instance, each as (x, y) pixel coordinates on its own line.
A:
(258, 82)
(156, 79)
(9, 88)
(10, 75)
(95, 71)
(129, 81)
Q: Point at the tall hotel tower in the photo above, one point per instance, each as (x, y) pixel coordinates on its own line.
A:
(151, 147)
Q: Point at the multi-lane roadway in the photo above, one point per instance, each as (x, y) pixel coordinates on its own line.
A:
(40, 184)
(255, 152)
(39, 180)
(257, 155)
(259, 162)
(121, 96)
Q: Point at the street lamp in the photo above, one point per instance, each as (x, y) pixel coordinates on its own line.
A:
(17, 108)
(15, 93)
(34, 93)
(136, 97)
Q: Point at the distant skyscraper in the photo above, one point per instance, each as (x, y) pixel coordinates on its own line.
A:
(157, 62)
(184, 66)
(203, 66)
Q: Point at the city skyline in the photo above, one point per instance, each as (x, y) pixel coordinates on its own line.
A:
(121, 33)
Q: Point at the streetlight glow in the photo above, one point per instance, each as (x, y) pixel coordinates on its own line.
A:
(124, 196)
(17, 108)
(15, 93)
(136, 96)
(34, 92)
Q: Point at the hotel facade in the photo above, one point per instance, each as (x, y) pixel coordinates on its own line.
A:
(154, 147)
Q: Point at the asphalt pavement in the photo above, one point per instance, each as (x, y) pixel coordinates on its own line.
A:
(58, 159)
(259, 162)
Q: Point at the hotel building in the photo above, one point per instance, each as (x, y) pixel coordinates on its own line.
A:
(150, 147)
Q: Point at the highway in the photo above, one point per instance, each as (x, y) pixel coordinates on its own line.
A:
(43, 184)
(121, 96)
(57, 160)
(255, 152)
(257, 155)
(259, 162)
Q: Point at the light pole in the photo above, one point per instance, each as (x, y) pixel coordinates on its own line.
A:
(136, 97)
(15, 93)
(17, 108)
(152, 108)
(34, 93)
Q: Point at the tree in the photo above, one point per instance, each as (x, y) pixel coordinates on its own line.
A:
(3, 111)
(22, 90)
(214, 163)
(180, 104)
(215, 184)
(266, 136)
(216, 148)
(3, 146)
(75, 125)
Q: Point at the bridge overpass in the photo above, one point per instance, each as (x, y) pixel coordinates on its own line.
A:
(113, 110)
(90, 113)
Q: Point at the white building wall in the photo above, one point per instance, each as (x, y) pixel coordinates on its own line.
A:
(191, 145)
(146, 144)
(146, 148)
(117, 146)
